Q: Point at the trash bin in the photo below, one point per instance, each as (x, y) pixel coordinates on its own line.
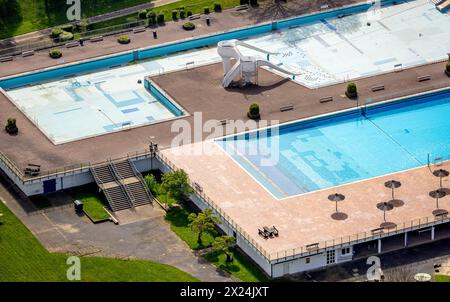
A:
(155, 35)
(78, 205)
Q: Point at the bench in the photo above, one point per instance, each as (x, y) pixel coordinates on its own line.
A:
(194, 17)
(326, 99)
(34, 165)
(286, 108)
(313, 246)
(96, 39)
(72, 44)
(28, 53)
(263, 234)
(198, 187)
(6, 59)
(138, 30)
(241, 7)
(377, 88)
(424, 78)
(377, 231)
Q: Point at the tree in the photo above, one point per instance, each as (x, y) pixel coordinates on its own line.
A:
(152, 184)
(204, 222)
(223, 244)
(176, 184)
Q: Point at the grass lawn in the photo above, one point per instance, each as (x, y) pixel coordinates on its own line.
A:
(442, 278)
(23, 258)
(39, 14)
(179, 223)
(241, 267)
(93, 202)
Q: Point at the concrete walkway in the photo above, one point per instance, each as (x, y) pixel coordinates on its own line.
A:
(60, 229)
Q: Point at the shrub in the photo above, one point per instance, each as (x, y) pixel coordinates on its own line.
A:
(447, 69)
(65, 36)
(217, 7)
(351, 91)
(253, 111)
(151, 16)
(160, 18)
(152, 184)
(123, 39)
(188, 26)
(174, 15)
(206, 10)
(11, 126)
(242, 2)
(254, 2)
(176, 184)
(189, 13)
(55, 53)
(67, 27)
(142, 14)
(182, 14)
(56, 32)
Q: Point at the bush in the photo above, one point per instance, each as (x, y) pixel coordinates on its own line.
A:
(11, 126)
(253, 111)
(217, 7)
(189, 13)
(56, 32)
(142, 14)
(55, 53)
(67, 27)
(160, 18)
(242, 2)
(206, 10)
(174, 15)
(182, 14)
(351, 92)
(151, 16)
(152, 184)
(254, 2)
(188, 26)
(447, 69)
(65, 36)
(123, 39)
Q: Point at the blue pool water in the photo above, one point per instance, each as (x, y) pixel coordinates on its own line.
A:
(347, 147)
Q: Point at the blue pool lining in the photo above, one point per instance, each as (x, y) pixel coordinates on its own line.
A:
(324, 118)
(123, 58)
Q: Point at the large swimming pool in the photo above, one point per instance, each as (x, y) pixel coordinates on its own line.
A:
(346, 147)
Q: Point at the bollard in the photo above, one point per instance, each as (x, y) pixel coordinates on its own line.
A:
(208, 21)
(81, 42)
(155, 35)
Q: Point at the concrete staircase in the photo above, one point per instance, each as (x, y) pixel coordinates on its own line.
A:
(122, 184)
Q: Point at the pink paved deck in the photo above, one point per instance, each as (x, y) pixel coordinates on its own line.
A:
(304, 219)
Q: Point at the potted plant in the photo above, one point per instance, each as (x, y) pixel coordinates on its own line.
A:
(160, 19)
(182, 14)
(188, 26)
(217, 7)
(123, 39)
(55, 53)
(253, 112)
(206, 10)
(11, 127)
(151, 16)
(447, 69)
(351, 91)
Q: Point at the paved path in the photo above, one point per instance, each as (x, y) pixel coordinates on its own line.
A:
(61, 230)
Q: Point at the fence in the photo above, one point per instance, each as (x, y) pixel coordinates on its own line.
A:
(51, 43)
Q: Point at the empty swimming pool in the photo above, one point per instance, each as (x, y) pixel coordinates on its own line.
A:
(344, 148)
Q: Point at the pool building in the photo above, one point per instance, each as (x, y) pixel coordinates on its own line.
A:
(96, 121)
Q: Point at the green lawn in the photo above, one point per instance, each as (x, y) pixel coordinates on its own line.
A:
(23, 258)
(241, 267)
(442, 278)
(93, 202)
(179, 223)
(39, 14)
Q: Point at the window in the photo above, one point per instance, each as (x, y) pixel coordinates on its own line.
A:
(345, 251)
(331, 256)
(307, 260)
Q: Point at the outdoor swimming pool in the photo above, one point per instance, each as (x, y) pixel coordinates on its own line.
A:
(348, 147)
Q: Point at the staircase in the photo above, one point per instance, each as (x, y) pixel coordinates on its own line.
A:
(122, 184)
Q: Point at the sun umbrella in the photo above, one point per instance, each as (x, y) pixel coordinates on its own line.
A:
(440, 173)
(336, 197)
(384, 206)
(439, 193)
(392, 184)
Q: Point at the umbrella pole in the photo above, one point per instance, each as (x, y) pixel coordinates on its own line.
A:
(392, 193)
(384, 215)
(437, 203)
(336, 207)
(440, 182)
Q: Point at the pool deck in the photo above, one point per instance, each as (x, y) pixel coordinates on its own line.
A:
(305, 219)
(31, 146)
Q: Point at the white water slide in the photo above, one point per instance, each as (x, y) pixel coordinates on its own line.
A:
(246, 66)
